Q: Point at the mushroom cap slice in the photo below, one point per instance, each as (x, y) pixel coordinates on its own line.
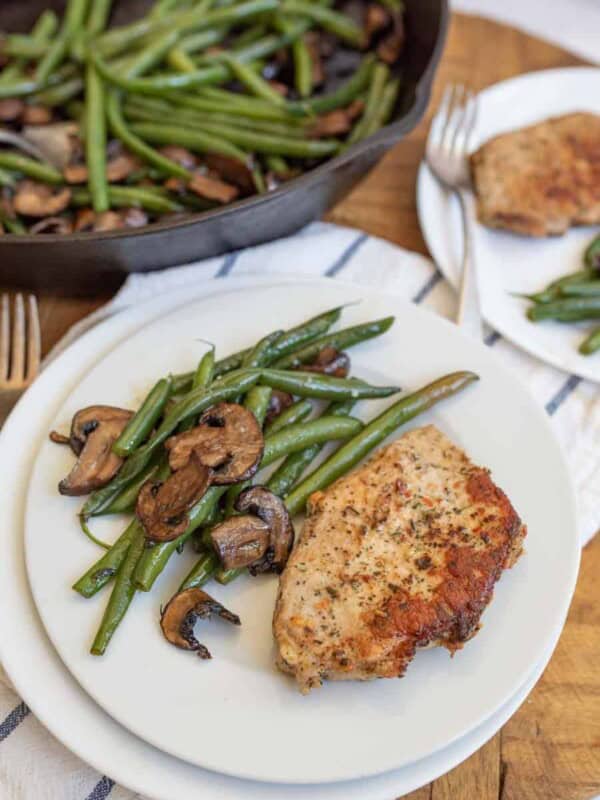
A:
(40, 200)
(240, 541)
(94, 430)
(330, 361)
(270, 509)
(181, 612)
(278, 402)
(228, 439)
(162, 507)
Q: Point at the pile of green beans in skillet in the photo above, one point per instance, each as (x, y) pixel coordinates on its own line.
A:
(299, 408)
(198, 104)
(573, 298)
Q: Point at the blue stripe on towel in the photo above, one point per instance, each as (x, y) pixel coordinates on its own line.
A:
(348, 253)
(563, 393)
(492, 338)
(227, 265)
(13, 720)
(432, 282)
(101, 790)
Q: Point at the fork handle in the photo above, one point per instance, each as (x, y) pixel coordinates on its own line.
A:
(469, 308)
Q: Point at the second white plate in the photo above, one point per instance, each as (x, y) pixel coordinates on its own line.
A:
(507, 263)
(236, 714)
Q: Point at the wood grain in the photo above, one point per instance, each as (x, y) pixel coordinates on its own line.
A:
(550, 749)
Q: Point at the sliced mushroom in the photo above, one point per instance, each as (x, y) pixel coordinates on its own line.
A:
(270, 509)
(240, 541)
(228, 439)
(94, 430)
(11, 109)
(232, 170)
(162, 507)
(377, 18)
(134, 217)
(212, 188)
(180, 156)
(391, 47)
(58, 143)
(39, 200)
(180, 614)
(108, 221)
(60, 225)
(117, 169)
(278, 403)
(37, 115)
(330, 362)
(332, 124)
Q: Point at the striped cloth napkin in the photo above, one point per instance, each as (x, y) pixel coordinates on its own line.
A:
(33, 765)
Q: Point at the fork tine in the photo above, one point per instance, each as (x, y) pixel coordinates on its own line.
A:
(464, 131)
(4, 338)
(17, 366)
(34, 339)
(439, 121)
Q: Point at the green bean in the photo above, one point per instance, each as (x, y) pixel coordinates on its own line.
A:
(592, 255)
(194, 42)
(343, 96)
(120, 129)
(386, 107)
(571, 309)
(150, 56)
(163, 7)
(211, 98)
(95, 139)
(349, 454)
(303, 68)
(379, 76)
(255, 84)
(30, 167)
(11, 224)
(333, 21)
(24, 85)
(202, 571)
(205, 371)
(141, 424)
(127, 196)
(298, 437)
(277, 165)
(60, 94)
(72, 23)
(179, 60)
(121, 596)
(553, 290)
(291, 469)
(325, 387)
(7, 178)
(43, 30)
(124, 502)
(194, 403)
(342, 339)
(252, 140)
(591, 343)
(295, 413)
(104, 570)
(98, 17)
(589, 289)
(23, 45)
(225, 576)
(196, 140)
(261, 351)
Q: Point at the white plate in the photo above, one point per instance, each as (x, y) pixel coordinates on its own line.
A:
(58, 701)
(509, 263)
(239, 697)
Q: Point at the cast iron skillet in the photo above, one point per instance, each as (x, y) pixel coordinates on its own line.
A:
(84, 262)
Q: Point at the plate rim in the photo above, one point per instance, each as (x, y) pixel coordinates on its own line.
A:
(275, 280)
(440, 258)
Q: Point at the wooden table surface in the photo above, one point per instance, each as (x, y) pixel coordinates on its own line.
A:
(550, 749)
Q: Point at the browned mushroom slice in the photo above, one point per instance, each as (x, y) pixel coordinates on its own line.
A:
(232, 170)
(94, 430)
(377, 18)
(270, 509)
(228, 439)
(278, 403)
(37, 115)
(240, 541)
(330, 362)
(213, 188)
(117, 169)
(108, 221)
(134, 217)
(58, 142)
(60, 225)
(39, 200)
(390, 48)
(11, 109)
(180, 156)
(162, 508)
(180, 614)
(334, 123)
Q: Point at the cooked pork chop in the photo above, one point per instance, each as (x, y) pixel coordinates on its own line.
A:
(402, 553)
(542, 179)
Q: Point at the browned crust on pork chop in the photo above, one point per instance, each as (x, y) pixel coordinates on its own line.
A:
(540, 180)
(402, 553)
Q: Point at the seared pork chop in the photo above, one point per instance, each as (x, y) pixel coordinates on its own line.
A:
(542, 179)
(402, 553)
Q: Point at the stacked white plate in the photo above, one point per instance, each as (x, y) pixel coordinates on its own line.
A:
(169, 726)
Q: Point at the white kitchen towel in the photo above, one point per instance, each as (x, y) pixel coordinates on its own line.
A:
(33, 765)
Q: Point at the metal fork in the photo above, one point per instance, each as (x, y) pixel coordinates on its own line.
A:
(447, 156)
(20, 349)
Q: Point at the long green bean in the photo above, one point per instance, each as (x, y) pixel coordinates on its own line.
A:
(591, 343)
(73, 22)
(104, 570)
(569, 309)
(98, 17)
(255, 84)
(295, 413)
(95, 139)
(202, 141)
(337, 23)
(140, 425)
(202, 571)
(379, 76)
(43, 30)
(343, 96)
(30, 167)
(126, 196)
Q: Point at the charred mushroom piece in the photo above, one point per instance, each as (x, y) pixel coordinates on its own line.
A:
(37, 115)
(332, 124)
(11, 109)
(330, 362)
(180, 614)
(228, 439)
(180, 156)
(162, 508)
(60, 225)
(377, 18)
(117, 169)
(94, 430)
(39, 200)
(278, 403)
(392, 45)
(232, 170)
(240, 541)
(270, 509)
(134, 217)
(212, 188)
